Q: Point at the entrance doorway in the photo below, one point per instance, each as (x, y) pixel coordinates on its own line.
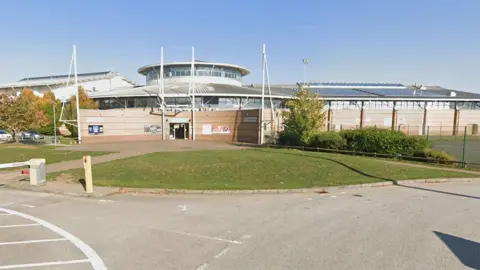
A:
(178, 131)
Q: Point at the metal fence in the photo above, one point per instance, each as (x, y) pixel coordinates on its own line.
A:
(458, 163)
(461, 141)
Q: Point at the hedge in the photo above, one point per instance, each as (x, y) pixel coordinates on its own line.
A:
(382, 141)
(370, 140)
(328, 140)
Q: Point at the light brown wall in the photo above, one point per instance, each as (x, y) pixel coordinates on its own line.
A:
(128, 124)
(381, 118)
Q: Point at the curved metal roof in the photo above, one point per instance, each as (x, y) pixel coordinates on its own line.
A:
(243, 71)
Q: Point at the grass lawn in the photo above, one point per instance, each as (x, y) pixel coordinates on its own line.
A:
(22, 152)
(249, 169)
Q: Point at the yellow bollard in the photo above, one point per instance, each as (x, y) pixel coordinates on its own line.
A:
(87, 165)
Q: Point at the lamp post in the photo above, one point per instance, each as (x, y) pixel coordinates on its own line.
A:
(305, 63)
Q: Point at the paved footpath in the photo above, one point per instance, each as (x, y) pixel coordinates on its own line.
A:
(414, 226)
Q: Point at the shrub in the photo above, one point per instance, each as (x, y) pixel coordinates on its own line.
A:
(328, 140)
(382, 141)
(436, 156)
(289, 138)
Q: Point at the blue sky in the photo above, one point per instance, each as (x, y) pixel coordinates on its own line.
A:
(408, 41)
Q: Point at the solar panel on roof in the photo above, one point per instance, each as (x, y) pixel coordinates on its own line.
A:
(402, 93)
(361, 84)
(338, 92)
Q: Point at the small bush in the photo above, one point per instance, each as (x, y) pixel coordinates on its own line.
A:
(436, 156)
(382, 141)
(328, 140)
(286, 138)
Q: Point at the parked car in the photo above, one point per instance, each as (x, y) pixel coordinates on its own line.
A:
(31, 134)
(5, 136)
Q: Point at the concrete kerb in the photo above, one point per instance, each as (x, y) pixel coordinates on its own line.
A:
(319, 190)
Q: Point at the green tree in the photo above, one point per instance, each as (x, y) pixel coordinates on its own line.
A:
(47, 102)
(71, 109)
(20, 113)
(304, 118)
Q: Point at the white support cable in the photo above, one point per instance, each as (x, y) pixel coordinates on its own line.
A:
(272, 109)
(68, 82)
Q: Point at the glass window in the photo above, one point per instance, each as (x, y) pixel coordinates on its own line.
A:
(200, 72)
(131, 103)
(140, 102)
(182, 101)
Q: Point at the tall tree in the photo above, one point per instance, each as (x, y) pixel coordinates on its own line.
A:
(47, 102)
(20, 113)
(305, 116)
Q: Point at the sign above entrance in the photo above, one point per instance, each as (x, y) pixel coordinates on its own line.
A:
(178, 120)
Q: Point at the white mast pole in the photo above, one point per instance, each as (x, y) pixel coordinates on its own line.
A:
(162, 93)
(272, 107)
(263, 95)
(193, 93)
(78, 93)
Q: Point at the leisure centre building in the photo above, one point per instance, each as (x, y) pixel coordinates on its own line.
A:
(227, 109)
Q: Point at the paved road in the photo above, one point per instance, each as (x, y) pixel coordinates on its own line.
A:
(429, 226)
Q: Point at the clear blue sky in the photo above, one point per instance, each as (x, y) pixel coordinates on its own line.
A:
(423, 41)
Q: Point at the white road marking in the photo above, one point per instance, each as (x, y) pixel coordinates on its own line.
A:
(246, 236)
(206, 237)
(106, 201)
(203, 266)
(333, 196)
(182, 207)
(28, 205)
(95, 260)
(223, 252)
(343, 192)
(32, 241)
(5, 214)
(16, 266)
(20, 225)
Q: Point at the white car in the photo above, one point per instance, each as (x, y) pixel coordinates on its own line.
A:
(5, 136)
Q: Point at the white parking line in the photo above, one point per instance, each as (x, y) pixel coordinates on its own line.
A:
(206, 237)
(20, 225)
(203, 266)
(16, 266)
(95, 260)
(223, 252)
(32, 241)
(28, 205)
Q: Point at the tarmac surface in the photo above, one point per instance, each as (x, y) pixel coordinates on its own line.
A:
(417, 226)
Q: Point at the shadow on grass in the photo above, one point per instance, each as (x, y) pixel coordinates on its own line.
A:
(395, 182)
(334, 161)
(468, 252)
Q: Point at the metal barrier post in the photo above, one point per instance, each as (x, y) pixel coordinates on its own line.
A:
(38, 172)
(428, 132)
(87, 165)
